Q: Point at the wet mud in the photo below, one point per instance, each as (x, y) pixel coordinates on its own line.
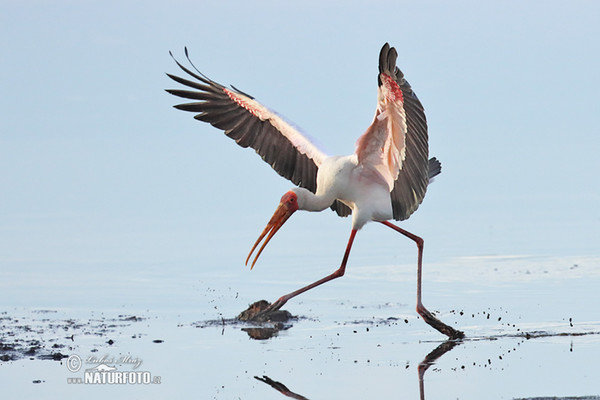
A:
(49, 335)
(257, 312)
(257, 323)
(40, 335)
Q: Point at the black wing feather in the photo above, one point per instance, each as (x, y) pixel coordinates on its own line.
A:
(248, 130)
(413, 178)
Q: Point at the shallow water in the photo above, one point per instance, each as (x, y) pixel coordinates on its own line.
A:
(532, 327)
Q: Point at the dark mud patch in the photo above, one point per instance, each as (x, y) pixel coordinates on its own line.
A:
(376, 321)
(545, 334)
(510, 326)
(255, 330)
(257, 323)
(39, 334)
(257, 312)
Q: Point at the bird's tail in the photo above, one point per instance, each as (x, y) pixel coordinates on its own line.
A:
(435, 168)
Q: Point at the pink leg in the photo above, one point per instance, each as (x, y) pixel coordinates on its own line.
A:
(423, 312)
(339, 272)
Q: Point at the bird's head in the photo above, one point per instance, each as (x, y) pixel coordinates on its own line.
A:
(287, 206)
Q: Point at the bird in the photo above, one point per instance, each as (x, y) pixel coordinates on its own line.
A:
(384, 179)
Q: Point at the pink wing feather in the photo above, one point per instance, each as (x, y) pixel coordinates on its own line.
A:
(394, 148)
(383, 146)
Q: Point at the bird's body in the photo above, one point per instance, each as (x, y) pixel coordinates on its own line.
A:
(385, 178)
(344, 179)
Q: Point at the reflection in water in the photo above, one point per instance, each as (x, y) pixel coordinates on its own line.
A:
(264, 333)
(270, 327)
(280, 387)
(428, 361)
(431, 358)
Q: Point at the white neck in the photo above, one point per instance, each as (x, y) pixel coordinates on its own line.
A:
(309, 201)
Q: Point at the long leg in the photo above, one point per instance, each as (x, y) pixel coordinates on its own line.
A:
(423, 312)
(336, 274)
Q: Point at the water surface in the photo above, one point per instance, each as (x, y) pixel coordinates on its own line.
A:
(531, 323)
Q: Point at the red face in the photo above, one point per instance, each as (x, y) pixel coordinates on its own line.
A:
(287, 206)
(289, 200)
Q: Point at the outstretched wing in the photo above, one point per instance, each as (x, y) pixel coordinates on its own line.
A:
(251, 124)
(395, 145)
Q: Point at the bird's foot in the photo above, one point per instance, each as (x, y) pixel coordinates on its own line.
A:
(439, 325)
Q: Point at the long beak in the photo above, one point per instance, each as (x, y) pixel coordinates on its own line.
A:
(282, 213)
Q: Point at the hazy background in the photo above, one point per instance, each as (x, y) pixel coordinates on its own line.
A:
(98, 170)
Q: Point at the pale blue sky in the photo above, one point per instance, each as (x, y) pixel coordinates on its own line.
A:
(97, 167)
